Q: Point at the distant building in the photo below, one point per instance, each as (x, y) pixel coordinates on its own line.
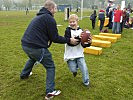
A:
(36, 6)
(63, 6)
(94, 7)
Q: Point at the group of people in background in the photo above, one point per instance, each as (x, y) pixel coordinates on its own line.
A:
(118, 19)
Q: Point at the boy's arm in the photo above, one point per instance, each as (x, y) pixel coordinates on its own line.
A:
(68, 35)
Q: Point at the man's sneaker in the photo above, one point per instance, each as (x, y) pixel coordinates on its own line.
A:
(30, 74)
(75, 74)
(52, 94)
(25, 77)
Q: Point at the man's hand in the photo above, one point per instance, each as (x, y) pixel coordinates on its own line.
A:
(74, 41)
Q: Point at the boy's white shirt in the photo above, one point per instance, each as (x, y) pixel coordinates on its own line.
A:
(72, 52)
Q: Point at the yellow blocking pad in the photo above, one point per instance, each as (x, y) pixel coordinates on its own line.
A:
(106, 22)
(105, 38)
(110, 34)
(93, 50)
(101, 43)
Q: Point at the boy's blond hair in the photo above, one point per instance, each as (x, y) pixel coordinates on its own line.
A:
(73, 17)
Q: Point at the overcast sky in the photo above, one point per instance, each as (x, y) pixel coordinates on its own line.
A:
(17, 0)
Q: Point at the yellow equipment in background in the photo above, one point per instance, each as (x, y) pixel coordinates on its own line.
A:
(106, 22)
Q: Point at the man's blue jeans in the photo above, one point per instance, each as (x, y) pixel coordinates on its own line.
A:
(45, 58)
(116, 27)
(79, 63)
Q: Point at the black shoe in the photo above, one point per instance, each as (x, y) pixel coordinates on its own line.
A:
(75, 74)
(25, 77)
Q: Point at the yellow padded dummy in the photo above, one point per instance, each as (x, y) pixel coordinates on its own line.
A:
(111, 35)
(93, 50)
(101, 43)
(106, 22)
(105, 38)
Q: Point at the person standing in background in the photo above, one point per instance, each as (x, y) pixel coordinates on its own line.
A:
(101, 17)
(117, 19)
(124, 18)
(27, 11)
(110, 18)
(107, 10)
(93, 19)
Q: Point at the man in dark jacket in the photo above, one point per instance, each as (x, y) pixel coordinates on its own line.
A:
(39, 35)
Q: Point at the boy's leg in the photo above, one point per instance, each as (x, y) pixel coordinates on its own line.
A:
(72, 65)
(84, 70)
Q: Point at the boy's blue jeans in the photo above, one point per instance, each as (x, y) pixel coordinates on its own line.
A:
(46, 60)
(79, 63)
(116, 27)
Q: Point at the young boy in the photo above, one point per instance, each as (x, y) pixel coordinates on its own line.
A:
(101, 17)
(93, 19)
(74, 53)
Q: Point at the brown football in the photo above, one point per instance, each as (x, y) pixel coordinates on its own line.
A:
(85, 36)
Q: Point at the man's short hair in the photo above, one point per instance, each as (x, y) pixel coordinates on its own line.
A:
(49, 4)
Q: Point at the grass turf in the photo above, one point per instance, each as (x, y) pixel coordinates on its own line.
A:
(111, 74)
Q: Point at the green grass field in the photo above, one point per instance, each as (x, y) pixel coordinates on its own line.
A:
(111, 74)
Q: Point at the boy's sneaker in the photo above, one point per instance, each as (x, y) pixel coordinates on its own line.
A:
(25, 77)
(87, 84)
(75, 74)
(52, 94)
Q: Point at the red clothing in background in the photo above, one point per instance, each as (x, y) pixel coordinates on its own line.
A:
(117, 15)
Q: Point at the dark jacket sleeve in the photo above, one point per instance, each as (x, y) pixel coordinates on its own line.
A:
(53, 32)
(68, 35)
(86, 45)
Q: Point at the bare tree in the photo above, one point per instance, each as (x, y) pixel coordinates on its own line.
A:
(7, 4)
(1, 2)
